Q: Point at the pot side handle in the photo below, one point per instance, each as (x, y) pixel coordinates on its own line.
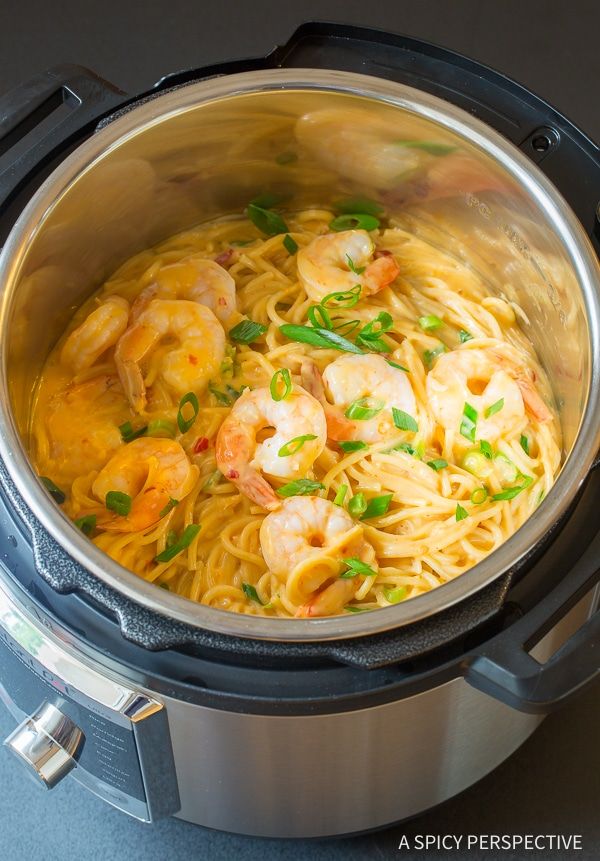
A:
(45, 114)
(504, 669)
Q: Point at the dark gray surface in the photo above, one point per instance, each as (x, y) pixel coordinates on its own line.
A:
(552, 785)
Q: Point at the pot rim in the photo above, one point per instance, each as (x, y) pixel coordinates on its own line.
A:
(514, 550)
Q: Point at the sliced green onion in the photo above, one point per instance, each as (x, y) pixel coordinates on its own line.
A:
(364, 409)
(404, 421)
(354, 221)
(128, 433)
(406, 447)
(242, 243)
(322, 338)
(286, 157)
(476, 463)
(349, 609)
(357, 505)
(377, 506)
(247, 331)
(352, 445)
(438, 463)
(341, 494)
(221, 397)
(396, 365)
(524, 442)
(343, 298)
(319, 317)
(118, 502)
(358, 270)
(430, 322)
(300, 487)
(281, 385)
(184, 540)
(461, 513)
(266, 220)
(394, 596)
(250, 592)
(346, 327)
(164, 586)
(290, 244)
(357, 566)
(429, 356)
(432, 147)
(183, 423)
(479, 495)
(295, 444)
(507, 469)
(87, 524)
(169, 507)
(162, 427)
(494, 408)
(468, 425)
(370, 335)
(55, 492)
(464, 336)
(511, 492)
(357, 204)
(486, 449)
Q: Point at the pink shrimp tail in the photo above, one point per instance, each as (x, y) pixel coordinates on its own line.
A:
(380, 273)
(338, 426)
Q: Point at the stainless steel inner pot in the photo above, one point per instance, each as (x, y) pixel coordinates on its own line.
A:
(207, 149)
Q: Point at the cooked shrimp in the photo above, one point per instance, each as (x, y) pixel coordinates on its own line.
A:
(242, 459)
(152, 472)
(306, 542)
(195, 279)
(350, 378)
(186, 367)
(100, 330)
(326, 265)
(338, 426)
(481, 378)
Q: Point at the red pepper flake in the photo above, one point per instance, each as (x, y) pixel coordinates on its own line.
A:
(224, 257)
(221, 300)
(232, 474)
(201, 444)
(382, 252)
(193, 360)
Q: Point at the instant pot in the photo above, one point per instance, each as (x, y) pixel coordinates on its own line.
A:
(295, 727)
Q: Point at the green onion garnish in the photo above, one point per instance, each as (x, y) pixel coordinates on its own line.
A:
(55, 492)
(370, 335)
(341, 494)
(250, 592)
(486, 449)
(430, 322)
(357, 566)
(357, 505)
(281, 385)
(184, 540)
(377, 506)
(169, 507)
(346, 327)
(511, 492)
(464, 336)
(319, 317)
(357, 204)
(290, 245)
(406, 447)
(364, 409)
(404, 421)
(394, 596)
(300, 487)
(247, 331)
(295, 444)
(342, 299)
(479, 495)
(524, 442)
(354, 221)
(352, 445)
(349, 609)
(266, 220)
(432, 147)
(128, 433)
(322, 338)
(358, 270)
(286, 157)
(429, 356)
(461, 513)
(162, 427)
(242, 243)
(494, 408)
(438, 463)
(118, 502)
(183, 423)
(87, 524)
(396, 365)
(468, 425)
(221, 397)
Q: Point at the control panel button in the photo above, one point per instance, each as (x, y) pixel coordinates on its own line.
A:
(48, 742)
